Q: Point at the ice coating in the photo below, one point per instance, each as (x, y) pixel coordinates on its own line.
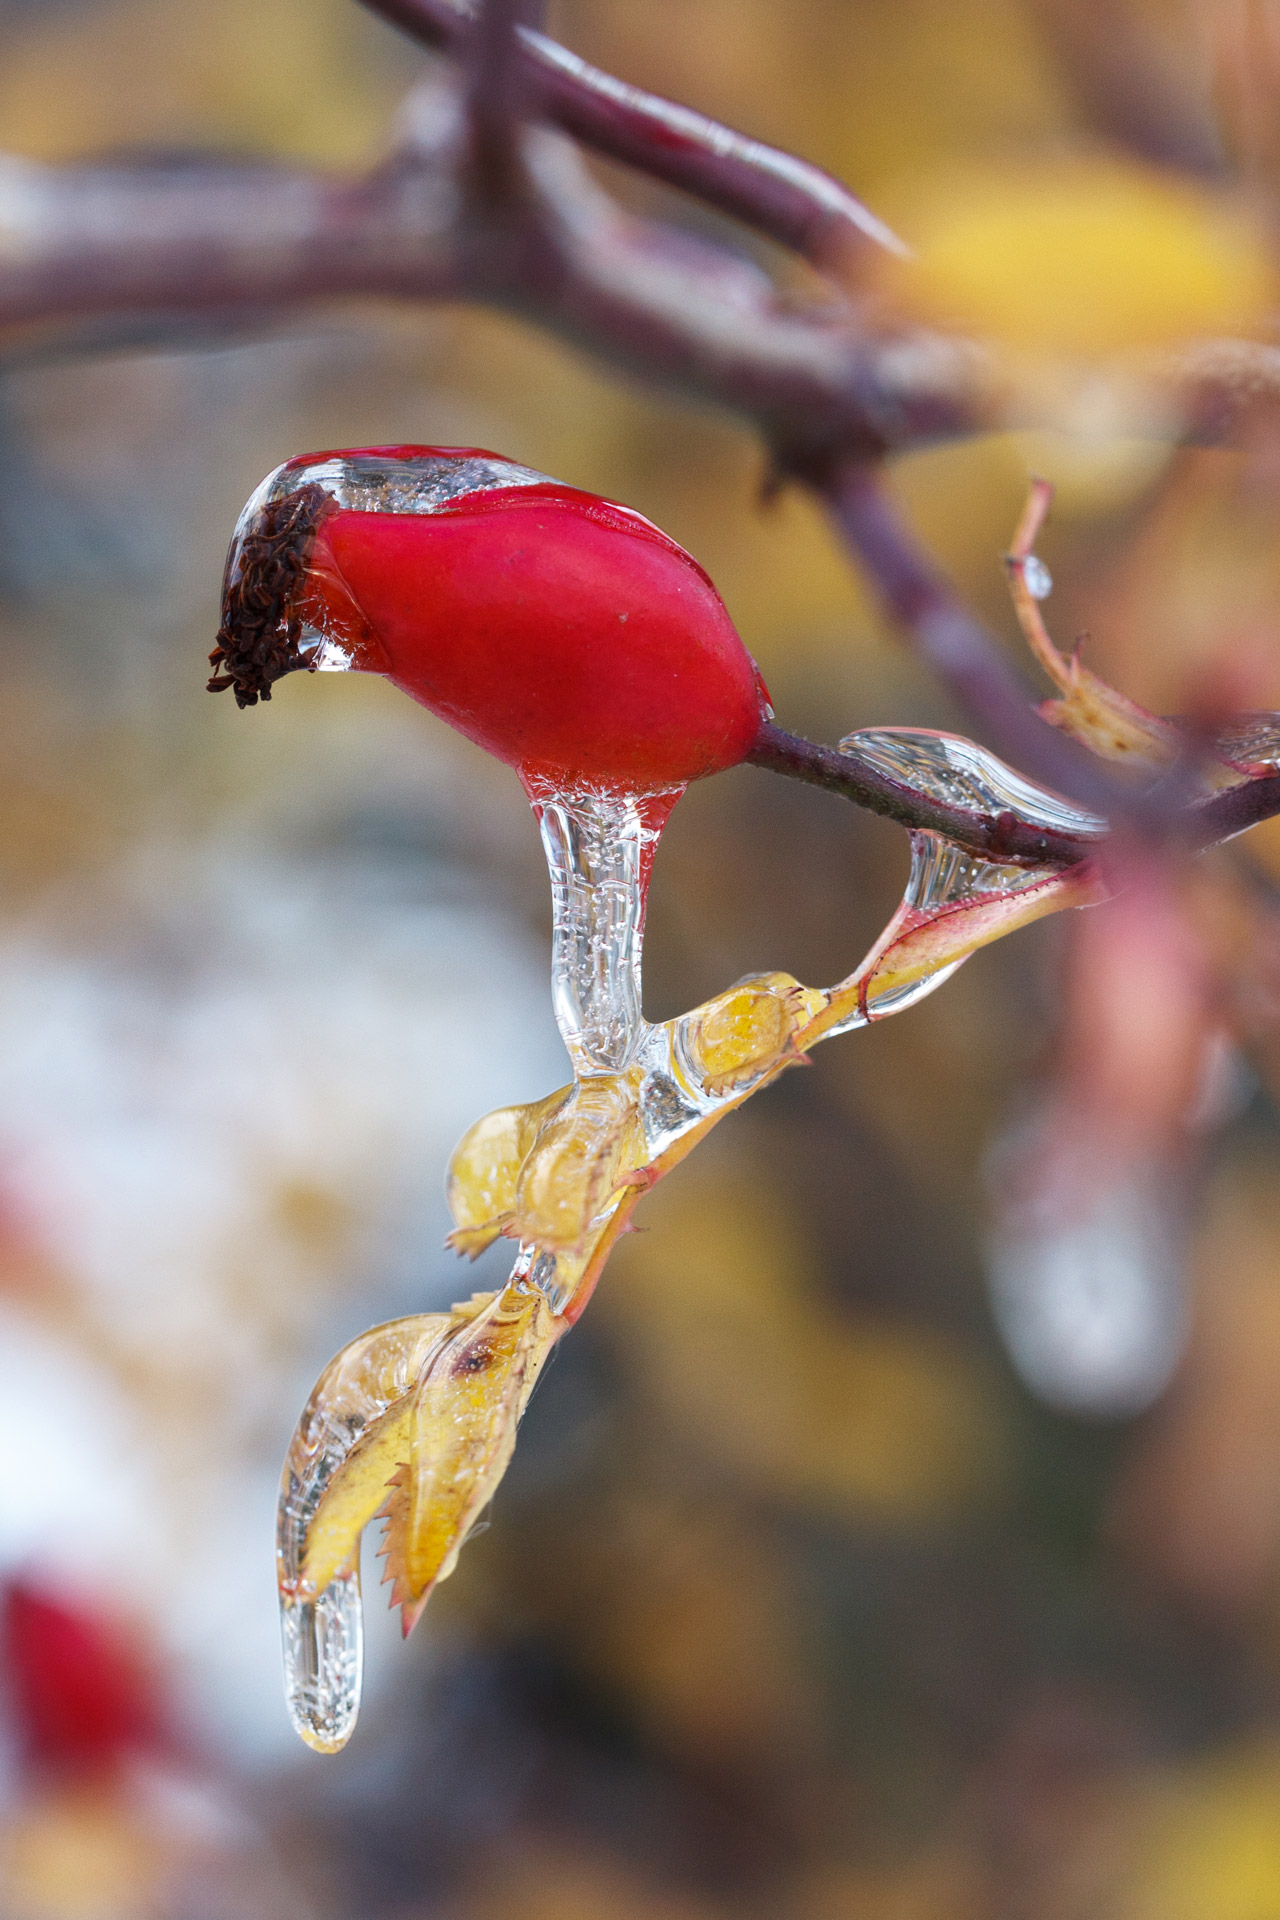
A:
(1252, 742)
(1039, 580)
(942, 875)
(599, 850)
(322, 1633)
(947, 767)
(388, 480)
(322, 1641)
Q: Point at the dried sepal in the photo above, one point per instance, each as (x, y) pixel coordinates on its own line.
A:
(259, 639)
(461, 1428)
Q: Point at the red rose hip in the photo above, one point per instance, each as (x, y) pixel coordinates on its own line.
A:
(566, 634)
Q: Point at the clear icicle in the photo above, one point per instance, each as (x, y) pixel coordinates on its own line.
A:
(599, 849)
(322, 1634)
(323, 1645)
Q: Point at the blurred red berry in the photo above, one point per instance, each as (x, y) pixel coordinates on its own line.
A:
(79, 1695)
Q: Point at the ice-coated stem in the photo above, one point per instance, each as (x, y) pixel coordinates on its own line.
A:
(599, 849)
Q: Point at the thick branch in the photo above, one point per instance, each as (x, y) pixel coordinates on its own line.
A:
(785, 198)
(97, 241)
(1235, 810)
(80, 242)
(495, 104)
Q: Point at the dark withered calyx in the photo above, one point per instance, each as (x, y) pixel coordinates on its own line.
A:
(259, 640)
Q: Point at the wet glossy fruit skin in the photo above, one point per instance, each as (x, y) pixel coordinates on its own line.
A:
(566, 635)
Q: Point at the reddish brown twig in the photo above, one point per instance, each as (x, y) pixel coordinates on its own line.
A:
(779, 195)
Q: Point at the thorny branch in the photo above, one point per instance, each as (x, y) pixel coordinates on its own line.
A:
(481, 201)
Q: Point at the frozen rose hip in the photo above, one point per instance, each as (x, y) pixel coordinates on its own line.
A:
(564, 633)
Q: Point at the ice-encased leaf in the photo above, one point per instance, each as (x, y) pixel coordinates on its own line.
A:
(321, 1621)
(583, 1153)
(415, 1421)
(482, 1183)
(462, 1428)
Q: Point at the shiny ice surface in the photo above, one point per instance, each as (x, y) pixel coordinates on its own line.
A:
(384, 483)
(1039, 580)
(598, 847)
(949, 768)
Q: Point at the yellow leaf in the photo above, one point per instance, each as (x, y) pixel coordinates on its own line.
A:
(738, 1035)
(485, 1169)
(929, 945)
(461, 1430)
(358, 1398)
(918, 944)
(352, 1499)
(578, 1162)
(1082, 259)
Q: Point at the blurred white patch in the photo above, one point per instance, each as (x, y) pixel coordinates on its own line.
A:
(1092, 1305)
(229, 1085)
(1086, 1267)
